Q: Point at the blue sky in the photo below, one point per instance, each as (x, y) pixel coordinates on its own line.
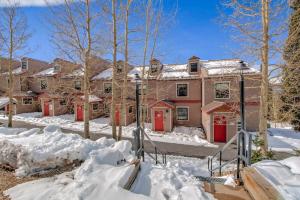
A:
(194, 32)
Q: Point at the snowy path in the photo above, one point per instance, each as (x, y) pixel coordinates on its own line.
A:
(166, 147)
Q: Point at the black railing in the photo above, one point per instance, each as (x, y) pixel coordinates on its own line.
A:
(139, 149)
(244, 148)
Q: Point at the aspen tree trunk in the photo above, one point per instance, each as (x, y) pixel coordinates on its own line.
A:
(264, 86)
(113, 103)
(125, 87)
(10, 85)
(86, 74)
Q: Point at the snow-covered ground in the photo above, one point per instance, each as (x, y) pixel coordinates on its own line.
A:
(284, 175)
(180, 135)
(103, 173)
(283, 139)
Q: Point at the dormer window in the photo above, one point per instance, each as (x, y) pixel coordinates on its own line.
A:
(24, 64)
(57, 67)
(119, 69)
(154, 68)
(194, 67)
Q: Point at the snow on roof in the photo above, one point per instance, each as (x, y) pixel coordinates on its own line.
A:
(92, 98)
(75, 73)
(276, 80)
(16, 71)
(178, 71)
(47, 72)
(106, 74)
(5, 101)
(219, 67)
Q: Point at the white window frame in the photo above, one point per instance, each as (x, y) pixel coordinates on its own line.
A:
(22, 61)
(75, 84)
(97, 107)
(191, 67)
(104, 87)
(188, 116)
(187, 92)
(26, 103)
(41, 84)
(55, 67)
(154, 66)
(216, 92)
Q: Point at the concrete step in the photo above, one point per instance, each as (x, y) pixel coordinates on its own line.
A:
(224, 192)
(257, 186)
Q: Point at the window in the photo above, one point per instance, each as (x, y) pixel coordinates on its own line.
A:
(222, 90)
(27, 101)
(182, 113)
(153, 68)
(95, 107)
(56, 67)
(194, 67)
(107, 88)
(182, 90)
(119, 69)
(77, 85)
(62, 102)
(130, 109)
(24, 64)
(44, 84)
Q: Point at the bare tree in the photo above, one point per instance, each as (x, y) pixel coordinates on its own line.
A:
(76, 36)
(14, 35)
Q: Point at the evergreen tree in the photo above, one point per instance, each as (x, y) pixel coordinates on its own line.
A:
(291, 72)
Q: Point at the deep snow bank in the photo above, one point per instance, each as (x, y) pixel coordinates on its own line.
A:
(35, 150)
(284, 175)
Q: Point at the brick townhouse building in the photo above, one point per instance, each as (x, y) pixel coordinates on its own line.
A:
(198, 93)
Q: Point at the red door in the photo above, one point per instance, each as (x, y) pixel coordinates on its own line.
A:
(159, 120)
(220, 129)
(79, 113)
(46, 108)
(117, 117)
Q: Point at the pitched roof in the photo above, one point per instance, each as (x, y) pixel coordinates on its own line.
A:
(164, 102)
(213, 106)
(5, 101)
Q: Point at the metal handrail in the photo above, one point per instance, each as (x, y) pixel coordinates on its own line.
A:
(156, 150)
(245, 155)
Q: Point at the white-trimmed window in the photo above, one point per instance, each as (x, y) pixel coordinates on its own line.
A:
(182, 89)
(77, 85)
(95, 107)
(222, 90)
(24, 64)
(182, 113)
(193, 67)
(107, 87)
(154, 68)
(57, 67)
(44, 84)
(27, 101)
(119, 68)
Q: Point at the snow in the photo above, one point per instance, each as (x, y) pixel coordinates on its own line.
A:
(106, 74)
(76, 73)
(92, 98)
(47, 72)
(16, 71)
(5, 100)
(180, 135)
(176, 71)
(104, 172)
(230, 181)
(35, 150)
(283, 139)
(283, 175)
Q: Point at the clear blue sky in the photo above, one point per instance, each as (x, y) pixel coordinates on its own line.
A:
(195, 32)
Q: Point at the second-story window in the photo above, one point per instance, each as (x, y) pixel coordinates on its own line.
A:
(63, 102)
(95, 107)
(222, 90)
(119, 69)
(57, 67)
(77, 85)
(24, 64)
(44, 84)
(182, 90)
(130, 109)
(194, 67)
(107, 88)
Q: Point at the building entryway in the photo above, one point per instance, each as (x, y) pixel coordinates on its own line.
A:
(220, 128)
(46, 108)
(79, 113)
(159, 121)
